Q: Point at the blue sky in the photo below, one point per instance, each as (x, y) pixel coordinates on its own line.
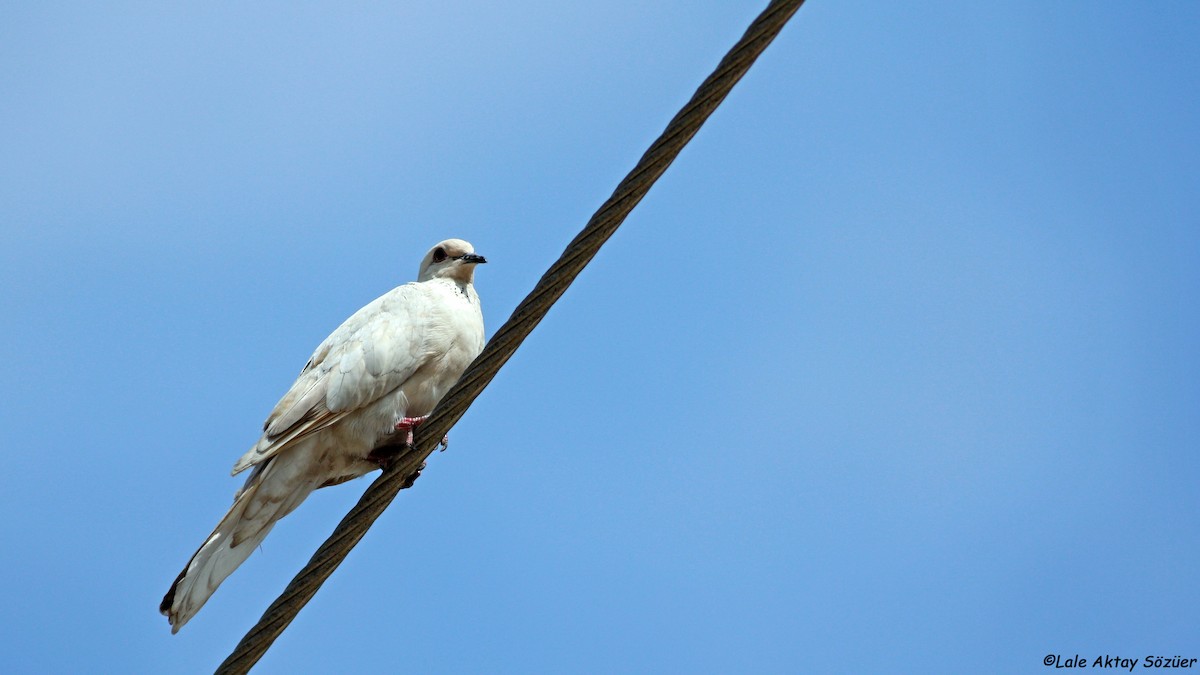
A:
(896, 368)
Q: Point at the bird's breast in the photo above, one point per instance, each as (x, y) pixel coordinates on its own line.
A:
(455, 339)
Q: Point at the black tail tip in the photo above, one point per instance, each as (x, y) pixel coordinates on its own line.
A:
(168, 600)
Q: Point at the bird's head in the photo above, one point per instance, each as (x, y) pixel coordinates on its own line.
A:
(451, 259)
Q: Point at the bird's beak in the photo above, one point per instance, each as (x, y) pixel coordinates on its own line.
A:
(473, 258)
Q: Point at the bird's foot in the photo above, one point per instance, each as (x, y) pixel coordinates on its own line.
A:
(407, 424)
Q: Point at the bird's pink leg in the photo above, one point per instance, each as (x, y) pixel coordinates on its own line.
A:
(409, 423)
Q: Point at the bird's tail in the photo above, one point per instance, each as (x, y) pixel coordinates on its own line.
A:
(267, 496)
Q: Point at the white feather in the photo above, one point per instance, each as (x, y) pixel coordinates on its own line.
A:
(394, 358)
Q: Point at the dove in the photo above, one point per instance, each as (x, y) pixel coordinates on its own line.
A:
(378, 375)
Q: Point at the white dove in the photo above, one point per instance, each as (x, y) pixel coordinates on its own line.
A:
(380, 372)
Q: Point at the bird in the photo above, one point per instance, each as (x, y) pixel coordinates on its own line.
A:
(375, 378)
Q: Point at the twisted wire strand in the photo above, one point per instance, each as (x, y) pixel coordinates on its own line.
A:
(405, 468)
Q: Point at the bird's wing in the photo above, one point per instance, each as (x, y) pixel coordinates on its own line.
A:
(370, 355)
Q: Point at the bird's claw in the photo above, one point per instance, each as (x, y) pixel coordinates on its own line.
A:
(407, 424)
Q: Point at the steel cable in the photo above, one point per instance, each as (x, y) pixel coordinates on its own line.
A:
(405, 468)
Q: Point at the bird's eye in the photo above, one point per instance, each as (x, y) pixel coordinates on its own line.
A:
(439, 254)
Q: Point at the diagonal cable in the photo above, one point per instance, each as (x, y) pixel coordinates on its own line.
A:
(404, 469)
